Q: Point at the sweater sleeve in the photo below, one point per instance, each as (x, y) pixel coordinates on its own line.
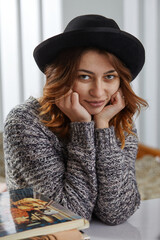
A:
(118, 196)
(81, 167)
(35, 157)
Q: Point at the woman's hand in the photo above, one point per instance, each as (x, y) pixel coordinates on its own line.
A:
(117, 103)
(70, 106)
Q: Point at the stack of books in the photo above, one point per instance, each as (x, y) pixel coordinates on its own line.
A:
(26, 214)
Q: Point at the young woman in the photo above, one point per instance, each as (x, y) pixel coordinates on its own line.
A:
(77, 144)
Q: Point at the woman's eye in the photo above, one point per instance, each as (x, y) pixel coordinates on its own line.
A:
(110, 77)
(84, 77)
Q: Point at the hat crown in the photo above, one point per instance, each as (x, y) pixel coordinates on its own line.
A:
(90, 21)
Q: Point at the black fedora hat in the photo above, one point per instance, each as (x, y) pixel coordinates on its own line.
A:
(93, 31)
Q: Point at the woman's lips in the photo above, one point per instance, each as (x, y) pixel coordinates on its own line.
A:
(96, 103)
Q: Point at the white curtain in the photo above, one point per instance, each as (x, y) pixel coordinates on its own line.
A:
(141, 17)
(23, 25)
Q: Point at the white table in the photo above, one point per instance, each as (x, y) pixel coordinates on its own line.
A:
(143, 225)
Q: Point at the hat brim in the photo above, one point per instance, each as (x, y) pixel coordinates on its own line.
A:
(122, 44)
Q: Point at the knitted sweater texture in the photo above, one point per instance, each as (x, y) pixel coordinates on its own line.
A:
(89, 173)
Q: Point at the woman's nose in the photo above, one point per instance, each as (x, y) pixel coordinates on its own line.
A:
(97, 89)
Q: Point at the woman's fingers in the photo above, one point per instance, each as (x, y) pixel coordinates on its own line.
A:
(75, 100)
(72, 108)
(67, 99)
(118, 99)
(64, 101)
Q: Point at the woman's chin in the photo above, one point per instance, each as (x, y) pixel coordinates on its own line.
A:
(95, 111)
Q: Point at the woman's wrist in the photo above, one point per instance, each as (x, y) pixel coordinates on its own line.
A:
(101, 124)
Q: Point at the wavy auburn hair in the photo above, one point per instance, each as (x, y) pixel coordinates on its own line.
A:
(60, 77)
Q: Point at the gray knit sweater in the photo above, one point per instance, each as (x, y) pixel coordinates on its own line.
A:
(89, 173)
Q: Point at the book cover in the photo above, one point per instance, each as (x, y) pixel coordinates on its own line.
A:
(64, 235)
(25, 213)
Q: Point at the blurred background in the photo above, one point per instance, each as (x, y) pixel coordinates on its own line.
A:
(25, 23)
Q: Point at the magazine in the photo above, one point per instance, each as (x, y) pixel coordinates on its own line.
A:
(25, 213)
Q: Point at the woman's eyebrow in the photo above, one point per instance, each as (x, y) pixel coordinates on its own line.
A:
(110, 71)
(87, 71)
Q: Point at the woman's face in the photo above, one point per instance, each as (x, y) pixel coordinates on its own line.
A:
(96, 81)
